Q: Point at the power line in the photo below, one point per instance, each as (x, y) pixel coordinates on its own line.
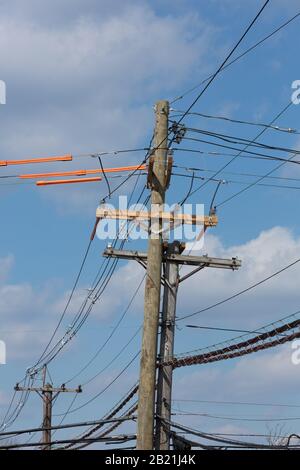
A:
(240, 151)
(263, 328)
(231, 418)
(239, 403)
(109, 337)
(111, 152)
(115, 357)
(18, 408)
(96, 298)
(288, 130)
(247, 289)
(226, 60)
(251, 185)
(239, 444)
(110, 429)
(252, 345)
(241, 140)
(254, 155)
(100, 291)
(63, 426)
(11, 417)
(108, 385)
(68, 302)
(212, 78)
(146, 158)
(203, 91)
(245, 148)
(113, 412)
(254, 46)
(105, 153)
(222, 181)
(238, 434)
(213, 437)
(66, 412)
(120, 439)
(235, 173)
(220, 329)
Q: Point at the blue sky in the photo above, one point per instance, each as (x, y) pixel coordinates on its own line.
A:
(83, 77)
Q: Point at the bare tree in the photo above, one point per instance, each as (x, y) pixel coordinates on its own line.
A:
(277, 436)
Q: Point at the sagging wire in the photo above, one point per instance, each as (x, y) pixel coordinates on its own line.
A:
(105, 177)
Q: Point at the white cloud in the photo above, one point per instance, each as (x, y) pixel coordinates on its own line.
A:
(4, 399)
(28, 314)
(120, 291)
(265, 377)
(83, 88)
(277, 5)
(270, 251)
(259, 374)
(5, 267)
(21, 305)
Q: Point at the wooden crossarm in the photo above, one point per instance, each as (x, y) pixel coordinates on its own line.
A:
(207, 220)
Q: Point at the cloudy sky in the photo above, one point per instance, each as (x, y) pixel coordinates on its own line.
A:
(82, 78)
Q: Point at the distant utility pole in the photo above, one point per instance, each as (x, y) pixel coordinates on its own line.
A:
(48, 394)
(146, 402)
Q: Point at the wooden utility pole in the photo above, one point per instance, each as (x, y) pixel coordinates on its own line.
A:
(47, 393)
(146, 402)
(159, 173)
(173, 258)
(47, 416)
(164, 382)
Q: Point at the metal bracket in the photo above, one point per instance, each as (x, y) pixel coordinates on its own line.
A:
(169, 171)
(150, 173)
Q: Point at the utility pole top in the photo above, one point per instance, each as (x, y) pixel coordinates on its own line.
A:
(47, 392)
(161, 107)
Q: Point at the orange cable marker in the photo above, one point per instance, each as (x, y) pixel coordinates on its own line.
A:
(63, 158)
(77, 180)
(83, 172)
(53, 174)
